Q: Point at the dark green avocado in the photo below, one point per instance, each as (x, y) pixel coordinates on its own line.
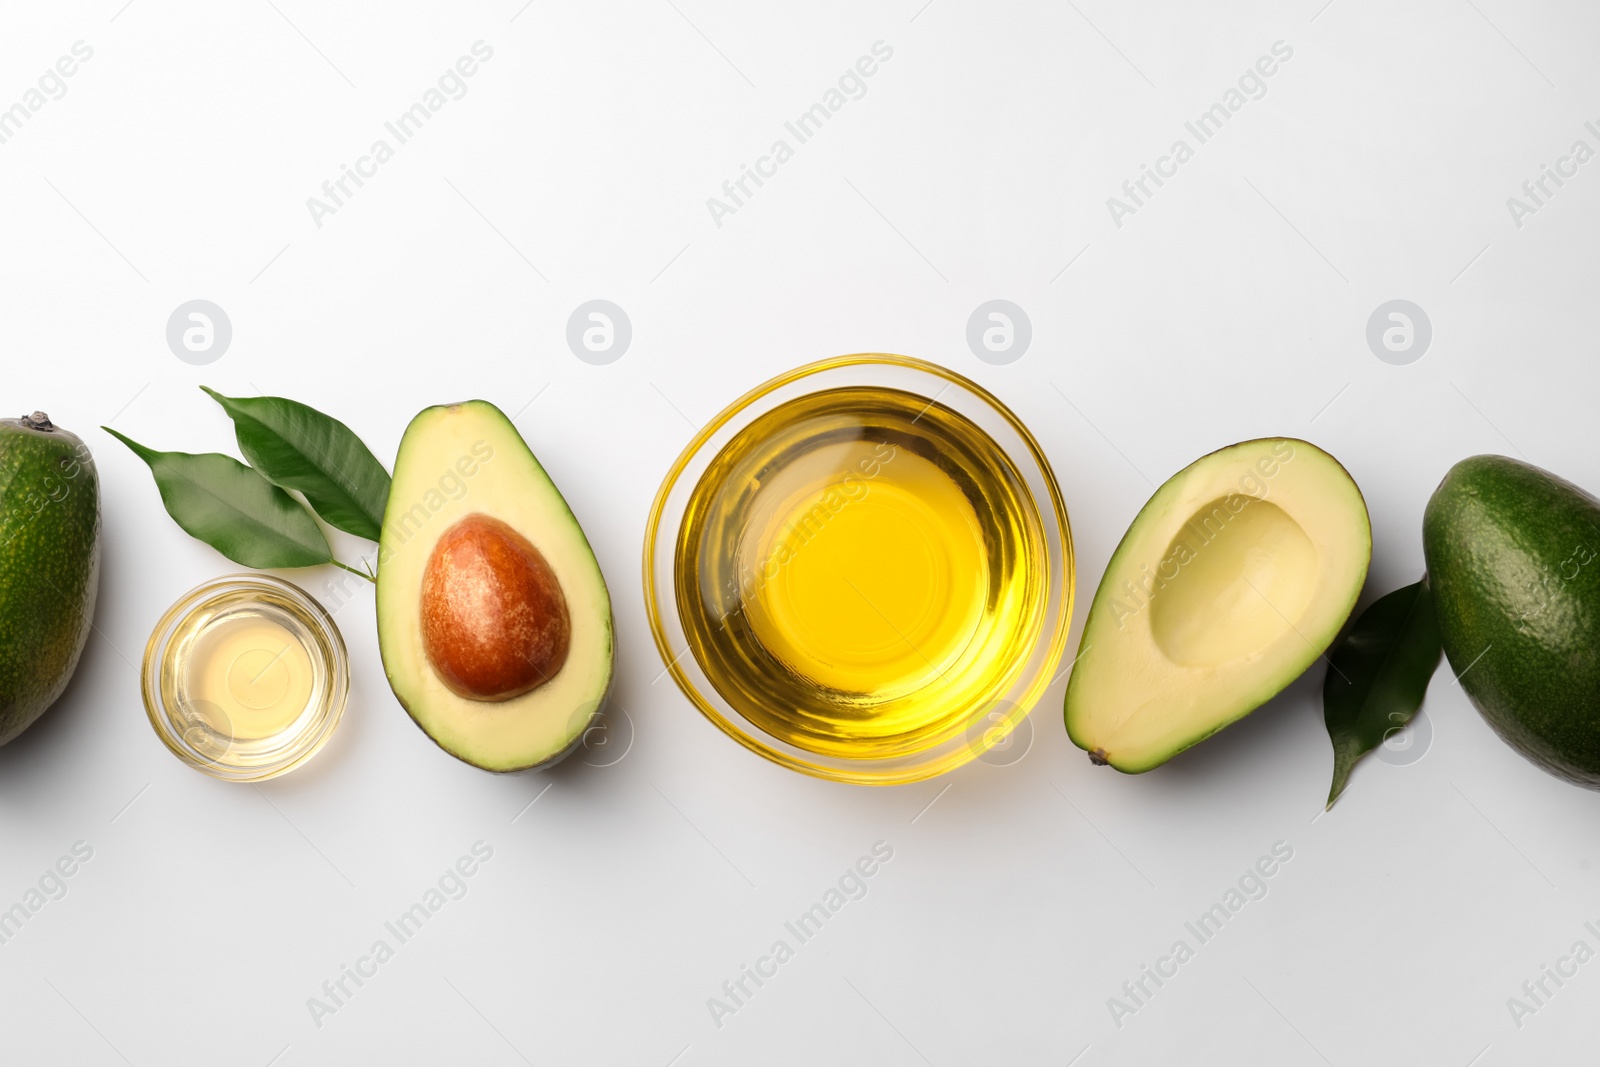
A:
(49, 564)
(1513, 555)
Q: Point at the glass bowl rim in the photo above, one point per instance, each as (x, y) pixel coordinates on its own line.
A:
(318, 619)
(1058, 628)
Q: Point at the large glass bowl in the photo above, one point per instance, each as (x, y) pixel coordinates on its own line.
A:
(990, 726)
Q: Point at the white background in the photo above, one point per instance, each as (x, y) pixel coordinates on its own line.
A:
(977, 166)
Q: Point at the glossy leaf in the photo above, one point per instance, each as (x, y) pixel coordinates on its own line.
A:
(298, 447)
(234, 509)
(1378, 675)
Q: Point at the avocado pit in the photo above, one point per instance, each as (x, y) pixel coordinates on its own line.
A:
(495, 623)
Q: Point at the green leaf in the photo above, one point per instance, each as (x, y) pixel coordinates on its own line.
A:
(1378, 675)
(235, 510)
(298, 447)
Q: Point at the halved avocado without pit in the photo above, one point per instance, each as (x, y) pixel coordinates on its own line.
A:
(1232, 580)
(493, 617)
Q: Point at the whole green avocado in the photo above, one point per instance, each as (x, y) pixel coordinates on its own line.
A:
(49, 564)
(1513, 555)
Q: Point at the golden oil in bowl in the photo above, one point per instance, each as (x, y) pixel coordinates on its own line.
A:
(245, 677)
(862, 572)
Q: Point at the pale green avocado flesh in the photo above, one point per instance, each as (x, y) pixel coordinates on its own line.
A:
(467, 459)
(1232, 580)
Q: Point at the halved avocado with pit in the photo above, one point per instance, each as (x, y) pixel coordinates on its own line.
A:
(494, 621)
(1232, 580)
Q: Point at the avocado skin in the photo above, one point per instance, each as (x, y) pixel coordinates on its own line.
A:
(1513, 554)
(49, 565)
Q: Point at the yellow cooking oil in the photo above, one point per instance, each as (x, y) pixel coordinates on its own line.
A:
(861, 572)
(242, 681)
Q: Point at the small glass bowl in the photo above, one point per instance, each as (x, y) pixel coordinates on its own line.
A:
(199, 733)
(990, 728)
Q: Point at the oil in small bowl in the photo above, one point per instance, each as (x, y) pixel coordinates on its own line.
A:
(245, 677)
(861, 572)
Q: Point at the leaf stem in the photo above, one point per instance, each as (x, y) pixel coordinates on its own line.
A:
(352, 570)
